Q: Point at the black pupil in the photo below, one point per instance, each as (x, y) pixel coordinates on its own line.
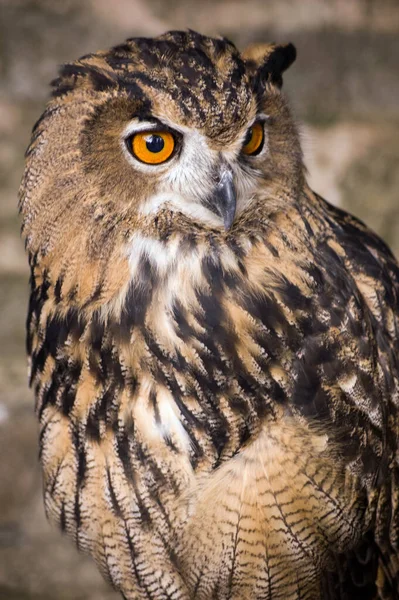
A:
(248, 137)
(155, 143)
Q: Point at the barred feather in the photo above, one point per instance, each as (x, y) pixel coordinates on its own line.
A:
(218, 409)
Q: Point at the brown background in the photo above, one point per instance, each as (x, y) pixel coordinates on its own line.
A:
(345, 91)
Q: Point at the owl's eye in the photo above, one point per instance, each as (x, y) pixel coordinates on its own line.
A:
(254, 139)
(152, 147)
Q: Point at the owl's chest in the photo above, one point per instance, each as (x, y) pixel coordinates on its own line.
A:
(266, 523)
(209, 315)
(219, 352)
(195, 346)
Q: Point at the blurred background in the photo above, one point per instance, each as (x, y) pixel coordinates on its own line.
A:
(344, 89)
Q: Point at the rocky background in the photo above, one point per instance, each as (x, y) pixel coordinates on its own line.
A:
(345, 90)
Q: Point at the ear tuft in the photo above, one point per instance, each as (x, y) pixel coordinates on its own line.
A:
(269, 61)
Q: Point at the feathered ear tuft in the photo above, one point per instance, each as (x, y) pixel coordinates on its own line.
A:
(267, 62)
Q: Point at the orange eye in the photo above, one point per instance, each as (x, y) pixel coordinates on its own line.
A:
(253, 143)
(152, 147)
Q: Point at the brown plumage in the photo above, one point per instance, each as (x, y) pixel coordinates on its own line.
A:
(214, 348)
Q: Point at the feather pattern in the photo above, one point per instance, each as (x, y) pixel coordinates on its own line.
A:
(218, 409)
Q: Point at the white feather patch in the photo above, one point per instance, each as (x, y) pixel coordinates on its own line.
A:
(170, 425)
(161, 255)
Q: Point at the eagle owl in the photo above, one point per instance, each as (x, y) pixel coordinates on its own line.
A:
(213, 348)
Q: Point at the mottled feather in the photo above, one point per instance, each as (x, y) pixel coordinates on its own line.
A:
(218, 408)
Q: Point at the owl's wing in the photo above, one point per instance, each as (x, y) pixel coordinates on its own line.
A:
(374, 274)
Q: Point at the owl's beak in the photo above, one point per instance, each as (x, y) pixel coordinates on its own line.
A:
(224, 198)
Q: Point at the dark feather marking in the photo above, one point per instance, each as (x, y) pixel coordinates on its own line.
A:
(123, 449)
(138, 297)
(93, 427)
(48, 397)
(71, 74)
(292, 295)
(136, 570)
(68, 399)
(213, 311)
(114, 501)
(57, 289)
(183, 329)
(62, 517)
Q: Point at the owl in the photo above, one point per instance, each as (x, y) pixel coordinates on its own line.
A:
(214, 349)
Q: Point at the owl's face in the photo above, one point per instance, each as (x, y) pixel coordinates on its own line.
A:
(182, 129)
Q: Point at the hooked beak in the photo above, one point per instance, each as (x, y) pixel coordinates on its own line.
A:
(224, 199)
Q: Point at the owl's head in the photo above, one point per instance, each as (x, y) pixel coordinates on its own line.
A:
(180, 131)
